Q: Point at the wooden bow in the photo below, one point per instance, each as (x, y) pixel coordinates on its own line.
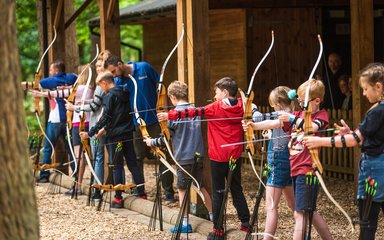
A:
(162, 99)
(247, 99)
(316, 165)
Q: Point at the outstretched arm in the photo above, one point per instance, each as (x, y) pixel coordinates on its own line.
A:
(350, 140)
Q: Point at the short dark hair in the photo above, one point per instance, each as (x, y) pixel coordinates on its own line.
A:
(112, 60)
(228, 84)
(59, 65)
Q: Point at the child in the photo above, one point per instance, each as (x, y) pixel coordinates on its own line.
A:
(279, 180)
(300, 159)
(219, 133)
(186, 141)
(117, 124)
(370, 135)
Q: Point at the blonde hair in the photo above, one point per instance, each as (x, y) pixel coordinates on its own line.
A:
(105, 76)
(83, 78)
(316, 90)
(279, 96)
(104, 55)
(179, 90)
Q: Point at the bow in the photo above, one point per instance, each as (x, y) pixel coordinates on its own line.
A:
(35, 86)
(318, 168)
(161, 105)
(69, 115)
(247, 105)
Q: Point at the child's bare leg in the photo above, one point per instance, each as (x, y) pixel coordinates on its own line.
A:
(299, 225)
(272, 199)
(321, 227)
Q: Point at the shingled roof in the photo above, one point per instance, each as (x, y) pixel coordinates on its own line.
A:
(141, 11)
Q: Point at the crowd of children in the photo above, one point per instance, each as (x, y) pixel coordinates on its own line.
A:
(289, 159)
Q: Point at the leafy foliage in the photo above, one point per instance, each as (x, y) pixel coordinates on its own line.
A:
(28, 39)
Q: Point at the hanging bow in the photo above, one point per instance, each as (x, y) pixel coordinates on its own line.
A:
(318, 168)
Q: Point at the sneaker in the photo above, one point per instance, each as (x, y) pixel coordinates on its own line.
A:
(216, 235)
(117, 203)
(43, 180)
(184, 229)
(143, 196)
(245, 226)
(169, 198)
(70, 191)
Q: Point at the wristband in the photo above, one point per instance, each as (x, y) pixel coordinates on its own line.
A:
(354, 134)
(291, 118)
(333, 141)
(342, 138)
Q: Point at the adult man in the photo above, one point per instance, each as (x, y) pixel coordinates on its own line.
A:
(146, 78)
(57, 116)
(333, 96)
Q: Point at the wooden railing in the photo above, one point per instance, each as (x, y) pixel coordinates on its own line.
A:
(337, 162)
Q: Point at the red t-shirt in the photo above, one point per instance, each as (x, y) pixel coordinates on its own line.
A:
(228, 130)
(300, 158)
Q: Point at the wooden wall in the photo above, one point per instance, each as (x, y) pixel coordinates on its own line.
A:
(295, 50)
(159, 37)
(227, 46)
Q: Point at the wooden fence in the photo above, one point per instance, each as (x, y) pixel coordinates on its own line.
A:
(337, 162)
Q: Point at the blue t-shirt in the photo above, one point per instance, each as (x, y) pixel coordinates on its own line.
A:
(146, 78)
(57, 105)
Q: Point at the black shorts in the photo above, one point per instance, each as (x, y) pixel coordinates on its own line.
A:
(182, 177)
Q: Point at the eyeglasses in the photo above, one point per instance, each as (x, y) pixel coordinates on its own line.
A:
(302, 101)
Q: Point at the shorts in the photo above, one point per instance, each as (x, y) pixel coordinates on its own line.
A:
(372, 166)
(182, 177)
(279, 169)
(305, 194)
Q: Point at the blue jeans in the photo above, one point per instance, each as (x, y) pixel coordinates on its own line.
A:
(373, 167)
(53, 132)
(98, 156)
(116, 158)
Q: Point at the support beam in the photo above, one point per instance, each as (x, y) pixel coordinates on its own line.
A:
(193, 66)
(77, 13)
(362, 53)
(110, 29)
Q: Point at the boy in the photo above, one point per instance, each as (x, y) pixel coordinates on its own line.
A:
(57, 115)
(219, 133)
(117, 124)
(186, 141)
(300, 158)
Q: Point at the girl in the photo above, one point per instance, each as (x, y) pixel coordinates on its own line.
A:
(279, 180)
(370, 135)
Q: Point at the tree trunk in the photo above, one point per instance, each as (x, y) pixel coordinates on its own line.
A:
(18, 211)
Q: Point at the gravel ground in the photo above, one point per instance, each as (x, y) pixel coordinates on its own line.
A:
(65, 218)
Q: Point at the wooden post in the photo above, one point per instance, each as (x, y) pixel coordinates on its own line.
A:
(362, 54)
(110, 26)
(193, 66)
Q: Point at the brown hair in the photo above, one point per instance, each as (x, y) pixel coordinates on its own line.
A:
(228, 84)
(179, 90)
(59, 65)
(373, 72)
(316, 90)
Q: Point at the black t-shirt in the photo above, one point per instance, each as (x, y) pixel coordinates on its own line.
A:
(372, 129)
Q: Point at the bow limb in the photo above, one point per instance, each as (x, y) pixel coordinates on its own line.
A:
(162, 92)
(36, 87)
(317, 166)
